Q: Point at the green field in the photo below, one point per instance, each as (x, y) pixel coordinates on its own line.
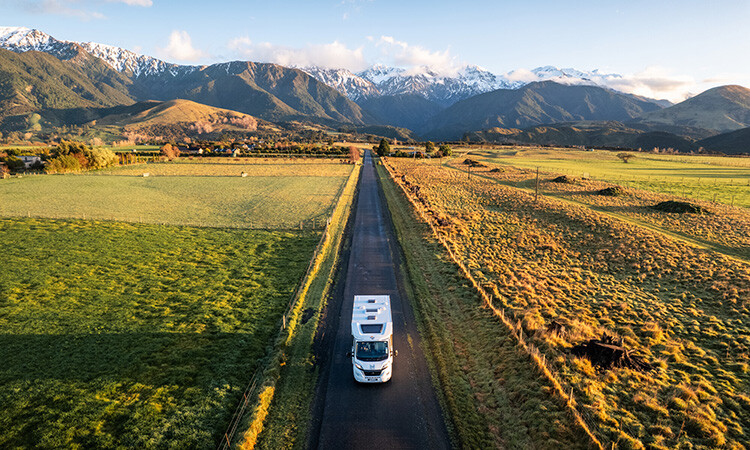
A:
(723, 179)
(270, 197)
(132, 335)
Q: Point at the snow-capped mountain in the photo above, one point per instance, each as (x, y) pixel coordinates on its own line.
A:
(344, 81)
(124, 60)
(433, 85)
(380, 80)
(22, 39)
(573, 76)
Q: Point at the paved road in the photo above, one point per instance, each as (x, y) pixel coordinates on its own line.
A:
(403, 413)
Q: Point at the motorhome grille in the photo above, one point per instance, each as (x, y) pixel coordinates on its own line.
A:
(374, 328)
(372, 373)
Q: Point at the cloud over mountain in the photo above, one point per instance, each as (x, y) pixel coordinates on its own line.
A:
(180, 48)
(334, 55)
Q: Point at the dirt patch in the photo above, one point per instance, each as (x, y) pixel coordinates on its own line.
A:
(563, 179)
(612, 191)
(608, 353)
(496, 170)
(672, 206)
(307, 314)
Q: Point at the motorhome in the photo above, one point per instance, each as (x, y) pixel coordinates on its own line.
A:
(372, 339)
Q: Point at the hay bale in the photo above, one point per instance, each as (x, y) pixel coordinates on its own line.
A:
(672, 206)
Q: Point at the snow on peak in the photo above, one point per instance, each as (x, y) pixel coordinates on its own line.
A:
(123, 60)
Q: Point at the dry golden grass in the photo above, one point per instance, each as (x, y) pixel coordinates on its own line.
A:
(684, 309)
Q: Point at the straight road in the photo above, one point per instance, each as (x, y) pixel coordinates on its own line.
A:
(404, 412)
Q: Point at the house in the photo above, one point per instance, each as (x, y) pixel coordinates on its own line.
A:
(30, 160)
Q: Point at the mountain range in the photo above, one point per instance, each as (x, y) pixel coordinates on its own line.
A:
(70, 83)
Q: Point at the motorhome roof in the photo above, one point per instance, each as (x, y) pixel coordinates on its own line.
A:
(371, 318)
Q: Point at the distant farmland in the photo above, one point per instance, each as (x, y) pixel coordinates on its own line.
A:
(726, 180)
(271, 196)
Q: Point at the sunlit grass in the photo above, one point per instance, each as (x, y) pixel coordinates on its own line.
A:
(684, 309)
(135, 336)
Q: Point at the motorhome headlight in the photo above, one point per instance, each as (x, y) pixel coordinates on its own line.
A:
(385, 366)
(358, 366)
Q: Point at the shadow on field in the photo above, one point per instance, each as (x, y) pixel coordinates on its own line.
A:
(161, 358)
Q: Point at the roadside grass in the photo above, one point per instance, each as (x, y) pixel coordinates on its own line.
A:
(491, 391)
(288, 420)
(117, 335)
(683, 309)
(725, 179)
(273, 197)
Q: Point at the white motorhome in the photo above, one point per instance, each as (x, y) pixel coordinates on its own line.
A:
(372, 339)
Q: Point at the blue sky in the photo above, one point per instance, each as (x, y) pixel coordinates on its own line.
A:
(670, 47)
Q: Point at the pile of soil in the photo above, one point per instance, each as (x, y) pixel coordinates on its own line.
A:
(472, 163)
(612, 191)
(562, 179)
(672, 206)
(608, 353)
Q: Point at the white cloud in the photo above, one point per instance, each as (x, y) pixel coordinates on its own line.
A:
(60, 7)
(144, 3)
(653, 82)
(180, 48)
(334, 55)
(414, 57)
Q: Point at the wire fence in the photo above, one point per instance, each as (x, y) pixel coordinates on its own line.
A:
(250, 394)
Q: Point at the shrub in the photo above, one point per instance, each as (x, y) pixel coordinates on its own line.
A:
(63, 164)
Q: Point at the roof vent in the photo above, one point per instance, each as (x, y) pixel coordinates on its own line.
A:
(371, 310)
(371, 301)
(371, 317)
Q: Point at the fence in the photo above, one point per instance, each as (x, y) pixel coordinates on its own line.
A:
(515, 328)
(264, 379)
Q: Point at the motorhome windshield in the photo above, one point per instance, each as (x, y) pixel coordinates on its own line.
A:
(372, 351)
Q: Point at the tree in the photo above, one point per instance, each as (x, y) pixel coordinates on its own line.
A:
(445, 150)
(353, 154)
(170, 151)
(384, 148)
(429, 146)
(625, 157)
(14, 164)
(99, 158)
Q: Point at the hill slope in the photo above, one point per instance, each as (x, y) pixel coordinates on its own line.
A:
(724, 108)
(534, 104)
(732, 143)
(34, 81)
(406, 110)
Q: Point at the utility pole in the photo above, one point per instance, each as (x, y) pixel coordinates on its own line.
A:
(536, 195)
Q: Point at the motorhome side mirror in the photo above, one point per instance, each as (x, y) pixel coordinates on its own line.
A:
(348, 354)
(395, 353)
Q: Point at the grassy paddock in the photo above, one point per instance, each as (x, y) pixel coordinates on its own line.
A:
(723, 228)
(494, 395)
(273, 197)
(683, 309)
(282, 415)
(135, 336)
(725, 179)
